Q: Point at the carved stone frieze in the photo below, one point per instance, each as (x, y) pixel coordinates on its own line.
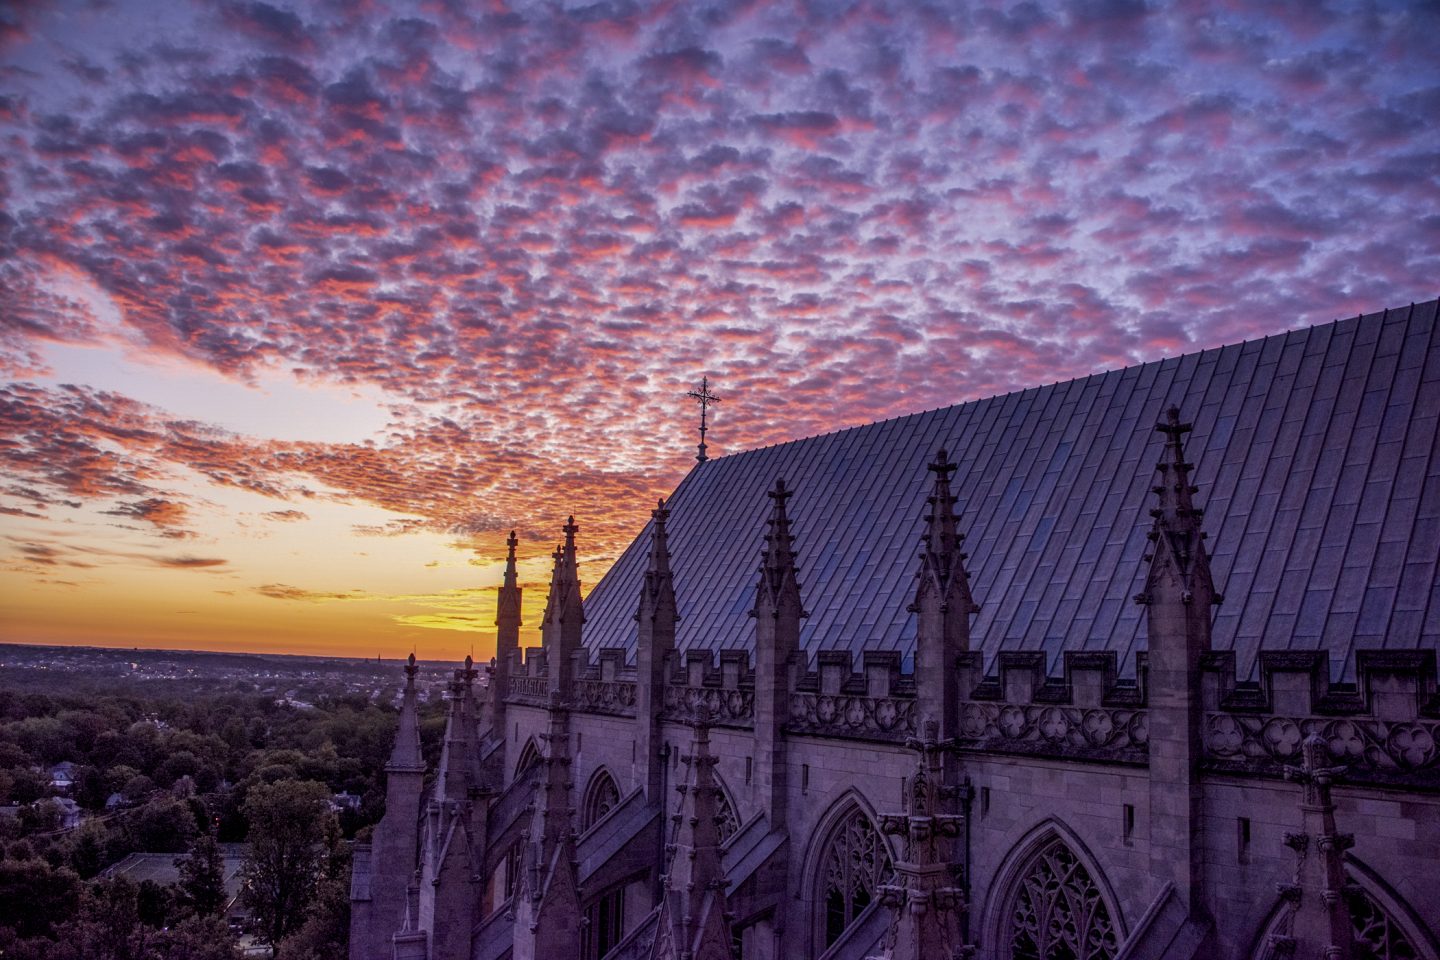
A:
(842, 715)
(615, 697)
(1084, 733)
(1370, 749)
(728, 707)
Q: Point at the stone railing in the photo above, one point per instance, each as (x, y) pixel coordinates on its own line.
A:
(1384, 728)
(530, 688)
(1113, 734)
(614, 697)
(889, 718)
(732, 707)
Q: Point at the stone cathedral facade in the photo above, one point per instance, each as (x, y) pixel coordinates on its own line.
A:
(983, 696)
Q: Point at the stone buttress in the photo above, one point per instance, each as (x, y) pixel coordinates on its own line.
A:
(1178, 597)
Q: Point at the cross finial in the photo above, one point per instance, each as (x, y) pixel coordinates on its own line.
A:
(704, 397)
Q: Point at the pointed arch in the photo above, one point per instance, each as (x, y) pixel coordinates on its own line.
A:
(529, 756)
(729, 815)
(1386, 927)
(846, 862)
(1051, 900)
(602, 794)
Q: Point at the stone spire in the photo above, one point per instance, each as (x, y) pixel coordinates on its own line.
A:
(1179, 565)
(694, 923)
(926, 899)
(943, 605)
(547, 907)
(778, 594)
(564, 616)
(656, 621)
(777, 616)
(405, 756)
(459, 757)
(1179, 593)
(1320, 928)
(507, 637)
(455, 820)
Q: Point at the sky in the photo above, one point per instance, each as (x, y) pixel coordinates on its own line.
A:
(304, 307)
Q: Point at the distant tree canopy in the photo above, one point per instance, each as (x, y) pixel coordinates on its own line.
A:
(162, 767)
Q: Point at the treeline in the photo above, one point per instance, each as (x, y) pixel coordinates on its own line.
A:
(159, 774)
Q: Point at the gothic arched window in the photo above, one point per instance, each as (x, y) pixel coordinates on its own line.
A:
(601, 797)
(1057, 911)
(528, 758)
(726, 822)
(854, 865)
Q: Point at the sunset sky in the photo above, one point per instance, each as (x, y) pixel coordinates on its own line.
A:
(304, 307)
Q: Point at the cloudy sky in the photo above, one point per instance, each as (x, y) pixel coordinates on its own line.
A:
(306, 306)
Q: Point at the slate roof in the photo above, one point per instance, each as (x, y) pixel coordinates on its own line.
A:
(1316, 456)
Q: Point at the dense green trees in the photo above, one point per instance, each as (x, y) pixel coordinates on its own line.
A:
(182, 773)
(291, 833)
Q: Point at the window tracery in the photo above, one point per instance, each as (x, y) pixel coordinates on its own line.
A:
(1058, 911)
(856, 863)
(726, 822)
(1377, 937)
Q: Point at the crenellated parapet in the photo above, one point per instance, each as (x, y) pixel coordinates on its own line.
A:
(602, 685)
(874, 702)
(723, 682)
(606, 685)
(1088, 712)
(1384, 728)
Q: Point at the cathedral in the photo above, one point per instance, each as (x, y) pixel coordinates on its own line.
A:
(1139, 665)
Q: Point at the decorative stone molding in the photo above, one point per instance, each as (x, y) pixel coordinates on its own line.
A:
(613, 697)
(868, 718)
(1371, 750)
(727, 708)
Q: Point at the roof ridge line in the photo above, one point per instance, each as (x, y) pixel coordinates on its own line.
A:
(1046, 386)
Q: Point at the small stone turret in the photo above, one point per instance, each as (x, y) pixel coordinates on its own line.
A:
(694, 922)
(560, 629)
(926, 898)
(1179, 593)
(656, 619)
(777, 614)
(943, 607)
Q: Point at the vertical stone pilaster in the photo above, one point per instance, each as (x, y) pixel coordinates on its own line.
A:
(656, 619)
